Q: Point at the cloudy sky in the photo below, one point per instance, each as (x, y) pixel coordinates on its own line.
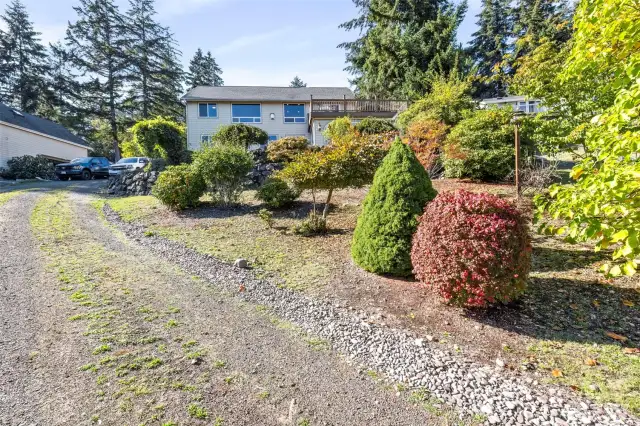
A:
(256, 42)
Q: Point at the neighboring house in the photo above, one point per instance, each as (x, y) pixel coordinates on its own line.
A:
(25, 134)
(279, 111)
(518, 103)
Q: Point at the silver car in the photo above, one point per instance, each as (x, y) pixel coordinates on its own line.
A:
(128, 165)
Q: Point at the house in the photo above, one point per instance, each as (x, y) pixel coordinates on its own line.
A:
(518, 103)
(279, 111)
(25, 134)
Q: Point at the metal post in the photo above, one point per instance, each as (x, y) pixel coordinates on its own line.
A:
(517, 135)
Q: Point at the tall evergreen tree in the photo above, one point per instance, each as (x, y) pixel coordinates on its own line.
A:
(402, 44)
(204, 71)
(22, 60)
(156, 77)
(297, 82)
(63, 101)
(99, 46)
(489, 46)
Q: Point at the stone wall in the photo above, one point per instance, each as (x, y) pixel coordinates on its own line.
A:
(262, 169)
(132, 183)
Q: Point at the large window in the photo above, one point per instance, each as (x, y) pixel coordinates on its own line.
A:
(208, 110)
(246, 113)
(294, 113)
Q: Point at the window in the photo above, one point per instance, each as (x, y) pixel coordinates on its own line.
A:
(273, 138)
(208, 110)
(205, 139)
(532, 106)
(246, 113)
(294, 113)
(522, 106)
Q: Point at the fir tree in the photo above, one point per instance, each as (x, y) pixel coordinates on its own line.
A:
(98, 40)
(297, 82)
(489, 46)
(156, 77)
(402, 44)
(382, 238)
(204, 71)
(22, 60)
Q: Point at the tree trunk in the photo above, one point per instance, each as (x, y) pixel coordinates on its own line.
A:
(325, 212)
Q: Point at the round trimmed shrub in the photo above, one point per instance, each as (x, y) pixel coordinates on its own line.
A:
(277, 193)
(472, 249)
(240, 135)
(179, 187)
(286, 149)
(375, 126)
(224, 169)
(382, 238)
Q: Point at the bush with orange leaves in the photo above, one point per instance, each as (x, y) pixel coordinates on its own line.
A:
(426, 138)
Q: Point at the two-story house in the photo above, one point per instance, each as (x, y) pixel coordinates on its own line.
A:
(279, 111)
(518, 103)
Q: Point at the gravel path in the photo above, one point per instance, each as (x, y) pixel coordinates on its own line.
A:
(471, 388)
(38, 347)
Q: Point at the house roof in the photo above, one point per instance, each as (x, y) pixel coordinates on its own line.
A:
(31, 122)
(265, 93)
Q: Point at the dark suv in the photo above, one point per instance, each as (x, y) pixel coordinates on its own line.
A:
(84, 168)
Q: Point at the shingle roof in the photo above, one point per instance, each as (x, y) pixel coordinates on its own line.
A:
(37, 124)
(265, 93)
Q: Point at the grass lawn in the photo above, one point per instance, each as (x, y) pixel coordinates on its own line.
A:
(569, 328)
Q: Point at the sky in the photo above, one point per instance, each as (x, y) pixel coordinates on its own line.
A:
(255, 42)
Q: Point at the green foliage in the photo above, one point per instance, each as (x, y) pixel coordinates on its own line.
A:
(203, 71)
(349, 161)
(179, 187)
(29, 167)
(224, 168)
(277, 193)
(402, 44)
(160, 138)
(297, 82)
(375, 126)
(400, 190)
(312, 225)
(603, 202)
(267, 217)
(481, 147)
(448, 101)
(284, 150)
(338, 128)
(240, 135)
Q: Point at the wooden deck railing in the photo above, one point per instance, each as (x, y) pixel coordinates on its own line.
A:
(357, 105)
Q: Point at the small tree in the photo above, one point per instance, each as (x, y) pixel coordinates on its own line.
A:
(224, 169)
(382, 238)
(286, 149)
(241, 135)
(160, 138)
(349, 162)
(339, 128)
(297, 82)
(426, 138)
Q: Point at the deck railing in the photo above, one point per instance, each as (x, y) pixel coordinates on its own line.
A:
(357, 105)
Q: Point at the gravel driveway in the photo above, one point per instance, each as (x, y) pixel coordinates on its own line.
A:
(97, 330)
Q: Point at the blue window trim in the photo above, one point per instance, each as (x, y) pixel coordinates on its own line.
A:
(246, 120)
(294, 120)
(208, 110)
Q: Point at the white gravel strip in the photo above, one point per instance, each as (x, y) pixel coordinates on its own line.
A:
(469, 387)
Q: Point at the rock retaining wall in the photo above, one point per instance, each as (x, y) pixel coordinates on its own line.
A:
(132, 183)
(262, 169)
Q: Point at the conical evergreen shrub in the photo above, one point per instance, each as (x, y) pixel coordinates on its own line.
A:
(401, 188)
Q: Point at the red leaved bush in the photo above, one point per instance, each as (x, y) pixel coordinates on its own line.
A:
(472, 249)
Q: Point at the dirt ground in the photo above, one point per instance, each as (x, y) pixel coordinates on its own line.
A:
(97, 331)
(560, 331)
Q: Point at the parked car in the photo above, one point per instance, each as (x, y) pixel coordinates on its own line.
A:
(84, 168)
(127, 165)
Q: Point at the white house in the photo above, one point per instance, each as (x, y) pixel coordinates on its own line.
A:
(279, 111)
(25, 134)
(518, 103)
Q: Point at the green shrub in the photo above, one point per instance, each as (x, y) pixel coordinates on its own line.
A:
(338, 128)
(29, 167)
(224, 169)
(375, 126)
(179, 187)
(481, 147)
(284, 150)
(277, 193)
(240, 135)
(159, 138)
(382, 238)
(267, 217)
(314, 224)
